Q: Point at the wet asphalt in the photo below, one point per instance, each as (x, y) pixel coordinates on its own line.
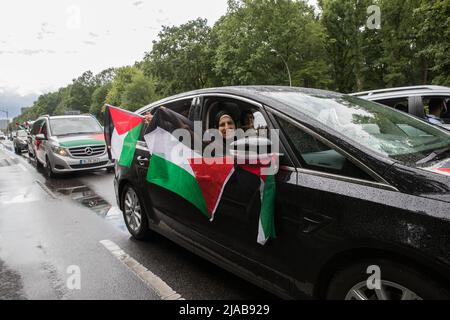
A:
(47, 226)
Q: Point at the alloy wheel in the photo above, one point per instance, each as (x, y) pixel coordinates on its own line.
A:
(388, 291)
(132, 209)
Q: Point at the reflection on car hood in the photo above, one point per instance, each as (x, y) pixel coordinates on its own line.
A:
(442, 167)
(80, 140)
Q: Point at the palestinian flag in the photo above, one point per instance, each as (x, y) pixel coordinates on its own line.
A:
(442, 168)
(122, 130)
(176, 167)
(266, 224)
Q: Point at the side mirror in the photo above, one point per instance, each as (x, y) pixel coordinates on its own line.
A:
(252, 148)
(40, 137)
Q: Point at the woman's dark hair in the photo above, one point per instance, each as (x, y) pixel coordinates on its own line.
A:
(222, 113)
(244, 115)
(435, 104)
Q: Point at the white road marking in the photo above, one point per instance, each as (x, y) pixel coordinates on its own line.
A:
(21, 166)
(155, 283)
(44, 187)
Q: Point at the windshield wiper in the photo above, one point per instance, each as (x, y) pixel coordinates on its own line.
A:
(433, 155)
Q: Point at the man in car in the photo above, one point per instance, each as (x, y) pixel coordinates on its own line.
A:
(436, 107)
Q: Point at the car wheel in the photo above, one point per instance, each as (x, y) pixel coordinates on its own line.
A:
(48, 169)
(39, 165)
(397, 282)
(134, 214)
(16, 150)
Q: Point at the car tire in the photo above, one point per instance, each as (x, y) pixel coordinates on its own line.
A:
(398, 282)
(16, 150)
(48, 169)
(134, 214)
(39, 165)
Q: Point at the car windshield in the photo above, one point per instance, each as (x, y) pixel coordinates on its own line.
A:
(389, 132)
(21, 134)
(75, 125)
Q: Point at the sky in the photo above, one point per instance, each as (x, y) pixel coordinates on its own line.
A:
(45, 44)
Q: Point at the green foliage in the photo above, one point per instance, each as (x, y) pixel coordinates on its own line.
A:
(131, 89)
(180, 59)
(344, 21)
(433, 34)
(98, 100)
(255, 36)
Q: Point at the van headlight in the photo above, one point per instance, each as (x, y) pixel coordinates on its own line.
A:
(60, 151)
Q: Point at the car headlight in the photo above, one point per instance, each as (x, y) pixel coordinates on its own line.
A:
(60, 151)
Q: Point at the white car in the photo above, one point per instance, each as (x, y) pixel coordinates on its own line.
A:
(413, 100)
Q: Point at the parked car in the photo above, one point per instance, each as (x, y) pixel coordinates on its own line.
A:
(20, 141)
(360, 186)
(2, 136)
(63, 144)
(413, 100)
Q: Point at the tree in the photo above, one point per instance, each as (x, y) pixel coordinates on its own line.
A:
(344, 21)
(433, 35)
(104, 77)
(180, 59)
(402, 67)
(131, 89)
(98, 100)
(255, 36)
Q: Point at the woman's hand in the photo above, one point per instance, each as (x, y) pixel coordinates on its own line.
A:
(148, 117)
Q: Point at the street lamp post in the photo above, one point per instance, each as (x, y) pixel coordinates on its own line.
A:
(285, 63)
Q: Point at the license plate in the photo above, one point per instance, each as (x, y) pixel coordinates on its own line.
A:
(89, 161)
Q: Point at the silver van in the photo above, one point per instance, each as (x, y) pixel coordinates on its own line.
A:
(64, 144)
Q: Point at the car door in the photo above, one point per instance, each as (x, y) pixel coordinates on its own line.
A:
(35, 144)
(340, 202)
(43, 145)
(170, 208)
(232, 235)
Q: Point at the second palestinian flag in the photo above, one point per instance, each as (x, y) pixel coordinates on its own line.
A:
(122, 130)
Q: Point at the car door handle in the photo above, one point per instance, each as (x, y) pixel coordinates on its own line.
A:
(142, 160)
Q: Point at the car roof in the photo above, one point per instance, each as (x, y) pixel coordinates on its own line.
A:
(66, 116)
(424, 90)
(261, 94)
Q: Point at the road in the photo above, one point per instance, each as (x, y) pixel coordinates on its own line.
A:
(60, 239)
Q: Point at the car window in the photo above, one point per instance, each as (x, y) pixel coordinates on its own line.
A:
(44, 129)
(315, 155)
(182, 107)
(390, 133)
(36, 127)
(400, 104)
(74, 125)
(21, 134)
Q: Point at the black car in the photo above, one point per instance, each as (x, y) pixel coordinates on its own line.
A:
(363, 194)
(20, 141)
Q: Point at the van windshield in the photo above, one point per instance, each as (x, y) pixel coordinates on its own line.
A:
(74, 125)
(389, 132)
